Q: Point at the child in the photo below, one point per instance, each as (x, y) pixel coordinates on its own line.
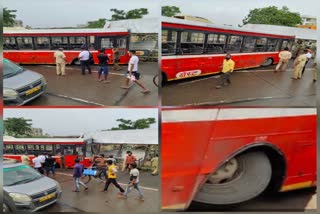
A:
(77, 173)
(112, 176)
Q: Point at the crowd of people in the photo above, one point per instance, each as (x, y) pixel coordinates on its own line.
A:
(86, 59)
(43, 163)
(299, 65)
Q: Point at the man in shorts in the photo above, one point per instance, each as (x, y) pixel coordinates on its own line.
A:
(132, 73)
(103, 62)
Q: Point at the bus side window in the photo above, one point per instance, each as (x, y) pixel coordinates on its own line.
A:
(192, 42)
(261, 44)
(8, 149)
(20, 149)
(215, 43)
(42, 43)
(272, 45)
(234, 44)
(9, 43)
(25, 43)
(76, 42)
(248, 44)
(169, 42)
(106, 43)
(68, 150)
(59, 42)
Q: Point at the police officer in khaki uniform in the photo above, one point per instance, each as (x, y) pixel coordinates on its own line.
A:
(298, 65)
(284, 56)
(60, 62)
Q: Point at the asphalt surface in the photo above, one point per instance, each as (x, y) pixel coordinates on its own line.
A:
(93, 200)
(299, 200)
(252, 87)
(84, 90)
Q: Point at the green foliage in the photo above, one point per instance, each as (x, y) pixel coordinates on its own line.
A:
(131, 14)
(273, 16)
(17, 127)
(138, 124)
(170, 11)
(96, 24)
(8, 17)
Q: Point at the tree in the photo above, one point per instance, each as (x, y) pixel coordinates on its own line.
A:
(8, 17)
(131, 14)
(17, 127)
(138, 124)
(170, 11)
(273, 16)
(96, 24)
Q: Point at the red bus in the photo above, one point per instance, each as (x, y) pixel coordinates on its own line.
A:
(68, 147)
(226, 156)
(192, 48)
(38, 46)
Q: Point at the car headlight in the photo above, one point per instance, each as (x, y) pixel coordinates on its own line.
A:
(7, 92)
(59, 187)
(18, 197)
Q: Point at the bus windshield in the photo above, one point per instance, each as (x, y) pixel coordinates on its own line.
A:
(10, 69)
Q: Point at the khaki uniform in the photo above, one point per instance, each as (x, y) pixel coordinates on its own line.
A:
(25, 160)
(284, 56)
(299, 62)
(60, 62)
(315, 71)
(154, 164)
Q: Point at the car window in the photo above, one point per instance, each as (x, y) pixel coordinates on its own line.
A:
(10, 69)
(19, 175)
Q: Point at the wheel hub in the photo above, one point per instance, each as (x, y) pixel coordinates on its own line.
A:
(225, 173)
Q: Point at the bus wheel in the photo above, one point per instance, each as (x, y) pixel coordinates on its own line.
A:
(238, 180)
(267, 62)
(76, 62)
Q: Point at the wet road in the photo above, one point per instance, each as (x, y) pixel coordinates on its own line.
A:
(252, 87)
(84, 90)
(298, 200)
(93, 200)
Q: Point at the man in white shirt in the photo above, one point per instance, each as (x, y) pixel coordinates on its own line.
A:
(132, 73)
(37, 163)
(308, 55)
(134, 182)
(84, 58)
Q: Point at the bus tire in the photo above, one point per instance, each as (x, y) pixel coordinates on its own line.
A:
(251, 177)
(75, 61)
(267, 62)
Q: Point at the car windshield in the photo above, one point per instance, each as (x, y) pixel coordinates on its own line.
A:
(19, 175)
(10, 69)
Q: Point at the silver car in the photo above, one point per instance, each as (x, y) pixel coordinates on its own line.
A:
(27, 190)
(19, 85)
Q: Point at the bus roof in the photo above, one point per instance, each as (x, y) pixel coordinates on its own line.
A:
(300, 33)
(138, 26)
(137, 136)
(12, 140)
(64, 32)
(182, 23)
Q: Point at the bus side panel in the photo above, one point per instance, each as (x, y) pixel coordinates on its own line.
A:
(295, 137)
(184, 145)
(169, 67)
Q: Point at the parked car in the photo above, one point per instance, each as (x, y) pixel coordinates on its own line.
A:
(20, 85)
(27, 190)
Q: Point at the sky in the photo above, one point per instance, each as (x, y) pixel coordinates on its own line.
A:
(232, 12)
(77, 121)
(70, 13)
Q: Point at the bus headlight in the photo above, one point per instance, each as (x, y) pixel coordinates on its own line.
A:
(9, 93)
(18, 197)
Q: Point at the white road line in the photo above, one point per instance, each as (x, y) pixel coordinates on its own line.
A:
(94, 71)
(142, 187)
(74, 98)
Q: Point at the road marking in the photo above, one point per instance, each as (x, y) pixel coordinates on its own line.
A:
(142, 187)
(75, 99)
(78, 69)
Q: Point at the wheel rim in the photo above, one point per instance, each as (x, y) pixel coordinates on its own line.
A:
(267, 62)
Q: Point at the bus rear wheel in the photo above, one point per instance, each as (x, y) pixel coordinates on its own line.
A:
(267, 62)
(238, 180)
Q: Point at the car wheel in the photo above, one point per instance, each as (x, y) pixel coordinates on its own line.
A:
(238, 180)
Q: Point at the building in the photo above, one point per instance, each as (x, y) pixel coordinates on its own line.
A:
(36, 132)
(309, 22)
(193, 18)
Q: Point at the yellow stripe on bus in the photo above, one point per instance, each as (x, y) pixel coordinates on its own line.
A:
(296, 186)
